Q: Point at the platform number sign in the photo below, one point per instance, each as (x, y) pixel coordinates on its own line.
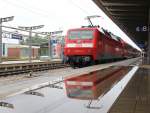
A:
(141, 28)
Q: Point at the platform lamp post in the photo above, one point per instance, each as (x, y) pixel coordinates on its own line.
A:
(6, 19)
(50, 35)
(30, 29)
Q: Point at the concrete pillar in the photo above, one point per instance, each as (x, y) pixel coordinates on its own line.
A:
(1, 51)
(49, 47)
(148, 54)
(30, 46)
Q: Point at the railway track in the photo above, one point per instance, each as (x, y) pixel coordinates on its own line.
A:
(27, 68)
(19, 68)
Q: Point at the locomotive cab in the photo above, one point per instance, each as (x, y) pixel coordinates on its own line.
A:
(79, 46)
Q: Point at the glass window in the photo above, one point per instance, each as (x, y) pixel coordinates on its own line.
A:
(83, 34)
(86, 34)
(73, 34)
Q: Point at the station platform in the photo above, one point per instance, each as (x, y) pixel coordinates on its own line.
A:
(19, 84)
(16, 62)
(136, 96)
(26, 61)
(130, 94)
(16, 95)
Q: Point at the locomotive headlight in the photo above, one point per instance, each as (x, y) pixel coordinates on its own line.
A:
(87, 58)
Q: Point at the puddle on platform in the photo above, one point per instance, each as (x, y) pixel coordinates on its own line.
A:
(95, 84)
(80, 94)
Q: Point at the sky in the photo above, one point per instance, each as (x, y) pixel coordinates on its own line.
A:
(57, 15)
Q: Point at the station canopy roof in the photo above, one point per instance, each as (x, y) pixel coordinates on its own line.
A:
(130, 15)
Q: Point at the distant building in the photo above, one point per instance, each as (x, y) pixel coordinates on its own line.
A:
(16, 51)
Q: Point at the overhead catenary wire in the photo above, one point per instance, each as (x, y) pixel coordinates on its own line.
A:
(77, 6)
(34, 11)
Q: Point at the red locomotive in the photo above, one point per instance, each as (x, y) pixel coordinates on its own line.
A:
(90, 45)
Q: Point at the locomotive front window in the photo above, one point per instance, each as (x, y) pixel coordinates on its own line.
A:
(74, 34)
(82, 34)
(87, 34)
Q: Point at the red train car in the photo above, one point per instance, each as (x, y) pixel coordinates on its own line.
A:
(89, 45)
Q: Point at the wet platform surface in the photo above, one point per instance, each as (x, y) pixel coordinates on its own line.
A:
(127, 90)
(94, 94)
(136, 96)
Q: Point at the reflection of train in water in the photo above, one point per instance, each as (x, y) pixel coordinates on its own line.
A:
(92, 85)
(90, 45)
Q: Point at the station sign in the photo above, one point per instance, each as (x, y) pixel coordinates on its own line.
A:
(141, 45)
(16, 36)
(142, 28)
(10, 35)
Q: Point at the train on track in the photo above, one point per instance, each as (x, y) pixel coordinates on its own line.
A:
(90, 45)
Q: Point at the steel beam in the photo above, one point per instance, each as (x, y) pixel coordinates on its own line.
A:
(100, 5)
(121, 4)
(134, 14)
(124, 4)
(125, 9)
(130, 18)
(128, 12)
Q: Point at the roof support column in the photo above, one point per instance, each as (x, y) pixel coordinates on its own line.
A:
(148, 54)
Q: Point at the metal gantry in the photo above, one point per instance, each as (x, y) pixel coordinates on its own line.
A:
(30, 36)
(6, 19)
